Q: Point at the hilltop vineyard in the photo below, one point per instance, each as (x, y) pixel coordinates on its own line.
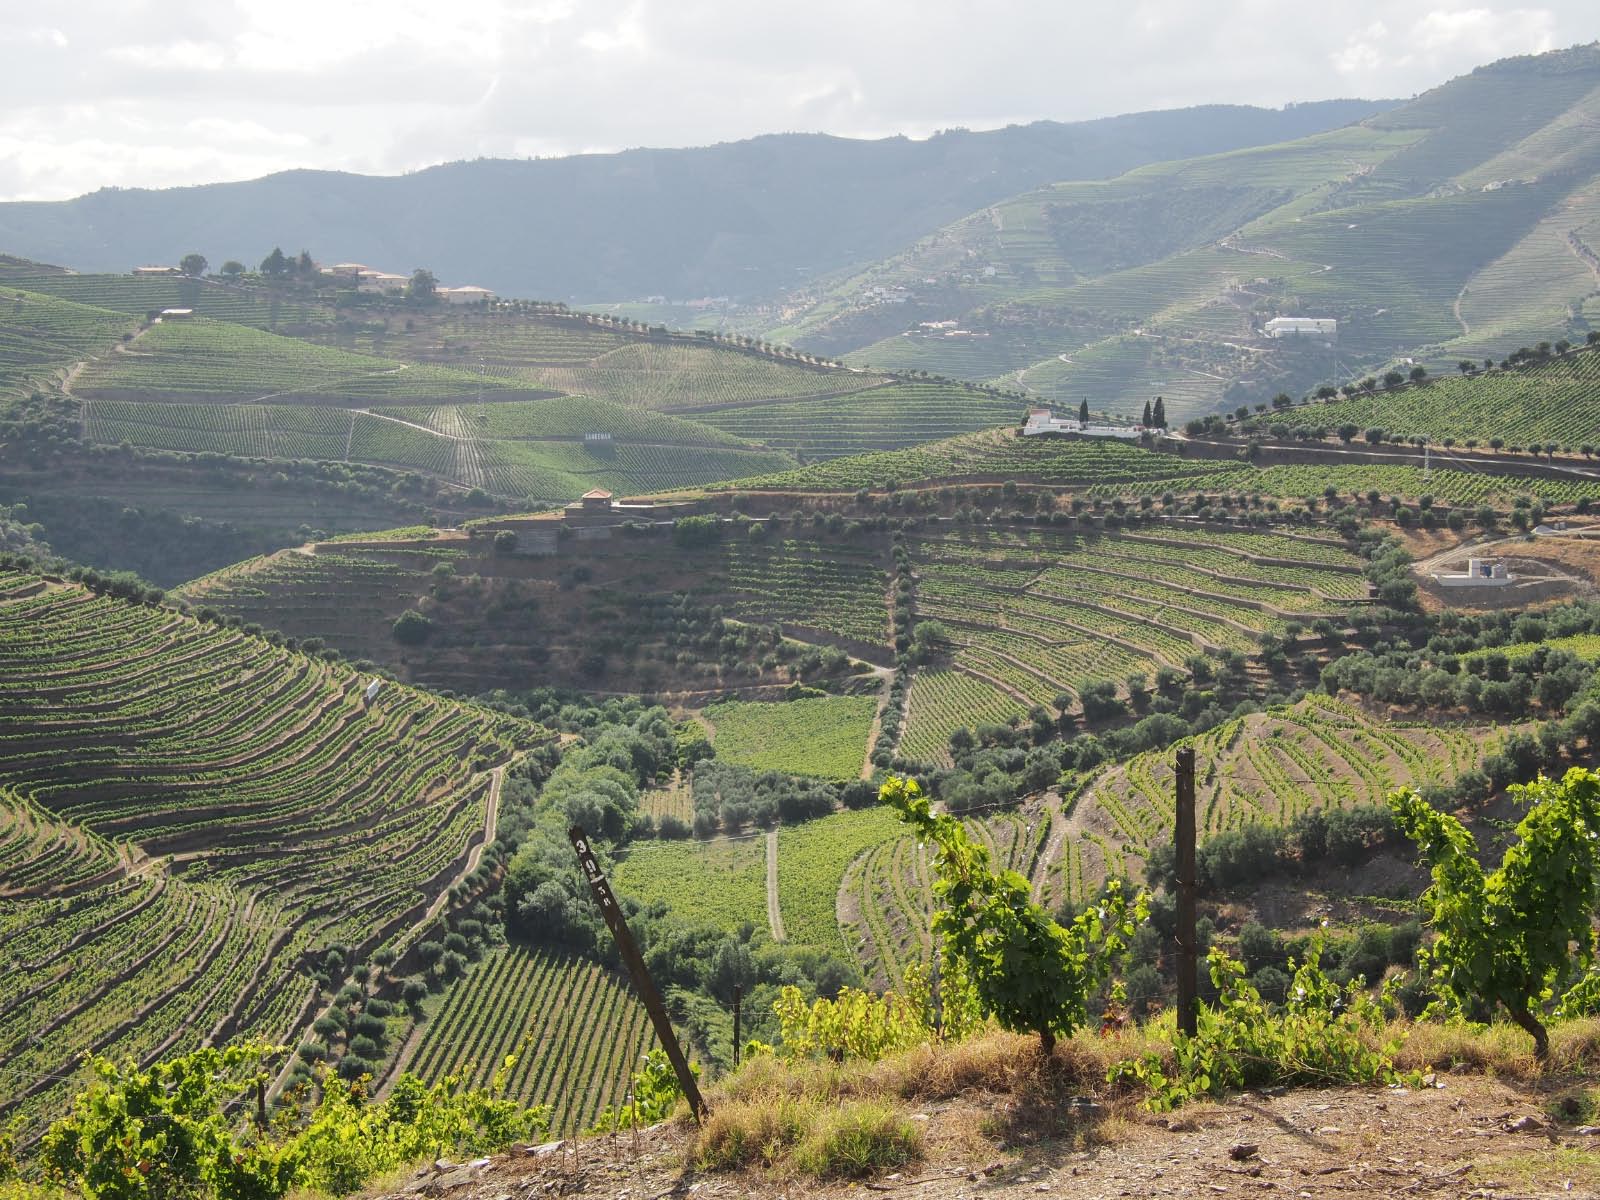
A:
(191, 815)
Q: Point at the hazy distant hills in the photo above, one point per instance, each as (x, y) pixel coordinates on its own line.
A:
(742, 219)
(1461, 224)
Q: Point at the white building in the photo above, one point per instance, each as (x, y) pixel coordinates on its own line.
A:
(157, 271)
(1280, 327)
(1041, 423)
(470, 294)
(1480, 572)
(380, 283)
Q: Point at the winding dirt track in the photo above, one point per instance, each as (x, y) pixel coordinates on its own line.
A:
(774, 912)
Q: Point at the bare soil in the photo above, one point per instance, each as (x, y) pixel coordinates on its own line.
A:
(1465, 1136)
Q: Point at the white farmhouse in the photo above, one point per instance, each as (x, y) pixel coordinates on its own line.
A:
(1041, 423)
(1281, 327)
(470, 294)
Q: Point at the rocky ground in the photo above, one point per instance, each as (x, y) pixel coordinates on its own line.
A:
(1462, 1137)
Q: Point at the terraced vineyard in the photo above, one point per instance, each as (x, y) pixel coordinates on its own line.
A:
(1114, 470)
(1551, 401)
(825, 736)
(137, 295)
(1038, 613)
(1266, 769)
(584, 1029)
(994, 455)
(189, 811)
(837, 589)
(876, 418)
(40, 335)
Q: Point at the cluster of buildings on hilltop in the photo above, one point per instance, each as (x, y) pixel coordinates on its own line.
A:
(386, 283)
(366, 280)
(1040, 423)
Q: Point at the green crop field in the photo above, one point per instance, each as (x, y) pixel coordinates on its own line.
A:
(189, 811)
(679, 377)
(729, 874)
(576, 1031)
(812, 861)
(825, 735)
(877, 418)
(523, 452)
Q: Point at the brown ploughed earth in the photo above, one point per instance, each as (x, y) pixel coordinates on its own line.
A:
(1465, 1136)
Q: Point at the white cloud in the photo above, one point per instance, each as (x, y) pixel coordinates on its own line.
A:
(163, 92)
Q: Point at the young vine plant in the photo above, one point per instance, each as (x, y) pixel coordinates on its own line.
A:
(1031, 973)
(1508, 937)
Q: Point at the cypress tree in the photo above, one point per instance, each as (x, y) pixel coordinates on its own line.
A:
(1083, 412)
(1146, 421)
(1159, 416)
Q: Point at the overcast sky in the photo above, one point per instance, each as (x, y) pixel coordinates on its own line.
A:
(156, 93)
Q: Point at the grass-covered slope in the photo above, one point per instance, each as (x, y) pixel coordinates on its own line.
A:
(192, 817)
(1463, 222)
(204, 358)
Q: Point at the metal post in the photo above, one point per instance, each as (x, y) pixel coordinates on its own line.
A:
(642, 983)
(1183, 838)
(738, 998)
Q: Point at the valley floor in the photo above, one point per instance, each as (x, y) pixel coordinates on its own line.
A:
(1468, 1136)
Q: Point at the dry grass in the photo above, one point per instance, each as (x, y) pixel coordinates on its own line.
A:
(849, 1119)
(852, 1119)
(1500, 1049)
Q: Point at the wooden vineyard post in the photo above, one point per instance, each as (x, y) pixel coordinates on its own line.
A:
(1183, 840)
(643, 984)
(738, 1002)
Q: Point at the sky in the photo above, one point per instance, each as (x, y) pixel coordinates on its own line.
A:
(161, 93)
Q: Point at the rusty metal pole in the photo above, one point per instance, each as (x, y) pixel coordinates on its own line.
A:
(1183, 841)
(642, 983)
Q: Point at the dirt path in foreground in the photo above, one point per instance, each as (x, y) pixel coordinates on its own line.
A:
(774, 911)
(1353, 1144)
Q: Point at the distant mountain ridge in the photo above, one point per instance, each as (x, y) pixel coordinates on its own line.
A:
(1459, 225)
(743, 219)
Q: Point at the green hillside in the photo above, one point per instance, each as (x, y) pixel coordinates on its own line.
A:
(203, 358)
(41, 336)
(1548, 400)
(1107, 472)
(1462, 223)
(195, 819)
